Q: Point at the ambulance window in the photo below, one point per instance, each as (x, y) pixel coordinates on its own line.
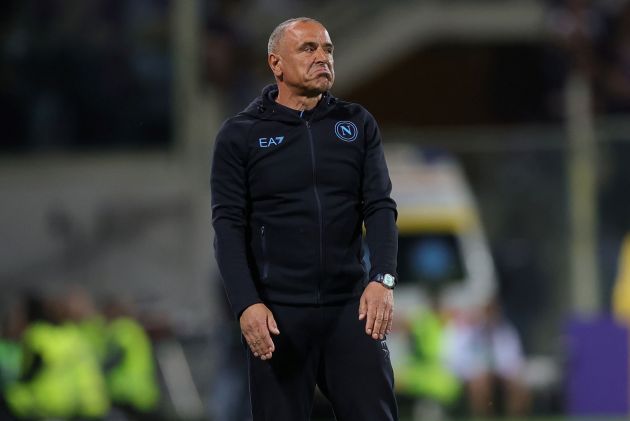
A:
(430, 259)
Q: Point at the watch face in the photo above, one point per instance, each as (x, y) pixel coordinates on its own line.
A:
(389, 280)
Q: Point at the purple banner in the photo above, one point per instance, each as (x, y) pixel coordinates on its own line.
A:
(597, 370)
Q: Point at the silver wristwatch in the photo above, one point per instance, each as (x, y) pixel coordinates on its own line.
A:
(386, 279)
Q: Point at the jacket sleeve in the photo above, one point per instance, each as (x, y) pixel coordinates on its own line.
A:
(379, 209)
(228, 184)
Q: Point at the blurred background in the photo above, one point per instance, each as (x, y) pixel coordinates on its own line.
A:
(507, 131)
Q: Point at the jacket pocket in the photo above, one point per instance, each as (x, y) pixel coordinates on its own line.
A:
(265, 257)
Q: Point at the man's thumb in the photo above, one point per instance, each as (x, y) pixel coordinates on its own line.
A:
(271, 323)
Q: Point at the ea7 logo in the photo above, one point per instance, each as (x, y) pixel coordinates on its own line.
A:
(265, 142)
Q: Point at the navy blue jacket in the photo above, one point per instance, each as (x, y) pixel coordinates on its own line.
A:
(290, 195)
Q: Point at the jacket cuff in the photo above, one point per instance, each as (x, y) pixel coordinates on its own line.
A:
(376, 271)
(239, 306)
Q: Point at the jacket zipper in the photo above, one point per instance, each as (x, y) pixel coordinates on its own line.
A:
(263, 241)
(319, 212)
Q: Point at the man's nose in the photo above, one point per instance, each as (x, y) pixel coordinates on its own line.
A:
(321, 56)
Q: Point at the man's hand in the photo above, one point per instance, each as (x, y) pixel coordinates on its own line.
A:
(377, 304)
(257, 323)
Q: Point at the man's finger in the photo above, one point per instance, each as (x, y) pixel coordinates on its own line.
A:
(385, 323)
(265, 344)
(259, 349)
(371, 316)
(254, 346)
(258, 339)
(378, 322)
(390, 322)
(362, 307)
(263, 352)
(251, 341)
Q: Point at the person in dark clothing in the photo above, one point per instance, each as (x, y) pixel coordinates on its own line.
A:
(295, 177)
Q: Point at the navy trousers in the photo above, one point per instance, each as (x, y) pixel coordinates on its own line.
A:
(325, 346)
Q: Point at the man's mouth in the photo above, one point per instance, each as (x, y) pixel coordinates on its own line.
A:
(322, 71)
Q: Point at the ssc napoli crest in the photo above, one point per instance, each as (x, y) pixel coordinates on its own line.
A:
(346, 131)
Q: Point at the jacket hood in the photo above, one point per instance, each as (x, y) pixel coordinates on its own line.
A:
(265, 107)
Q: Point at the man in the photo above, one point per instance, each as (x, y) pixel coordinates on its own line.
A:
(294, 178)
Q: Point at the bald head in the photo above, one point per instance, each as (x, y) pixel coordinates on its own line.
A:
(278, 32)
(301, 59)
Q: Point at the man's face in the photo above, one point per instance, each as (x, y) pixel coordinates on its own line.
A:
(304, 60)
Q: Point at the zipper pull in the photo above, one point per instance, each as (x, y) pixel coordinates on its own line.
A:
(262, 231)
(308, 124)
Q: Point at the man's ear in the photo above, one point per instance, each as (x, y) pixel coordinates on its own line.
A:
(274, 63)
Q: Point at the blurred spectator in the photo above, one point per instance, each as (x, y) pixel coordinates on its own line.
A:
(129, 365)
(122, 348)
(75, 361)
(77, 307)
(60, 376)
(485, 352)
(10, 361)
(12, 325)
(425, 377)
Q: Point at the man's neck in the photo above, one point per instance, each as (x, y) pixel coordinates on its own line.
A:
(296, 101)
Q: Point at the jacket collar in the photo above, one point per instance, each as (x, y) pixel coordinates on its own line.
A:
(265, 107)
